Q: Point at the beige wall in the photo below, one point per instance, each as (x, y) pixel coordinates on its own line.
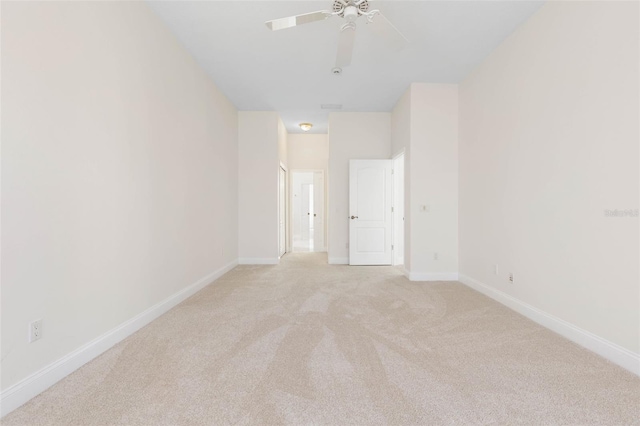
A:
(424, 123)
(352, 136)
(119, 176)
(259, 158)
(308, 151)
(434, 182)
(549, 141)
(283, 145)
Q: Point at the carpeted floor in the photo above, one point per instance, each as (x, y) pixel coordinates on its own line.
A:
(310, 343)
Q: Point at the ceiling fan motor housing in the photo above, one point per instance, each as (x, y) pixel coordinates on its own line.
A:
(354, 10)
(351, 13)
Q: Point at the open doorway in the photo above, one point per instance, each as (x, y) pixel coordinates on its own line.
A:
(398, 209)
(307, 202)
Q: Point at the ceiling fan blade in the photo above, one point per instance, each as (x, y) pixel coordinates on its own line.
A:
(292, 21)
(381, 26)
(345, 45)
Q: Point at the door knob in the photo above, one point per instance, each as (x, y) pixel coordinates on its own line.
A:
(314, 215)
(354, 217)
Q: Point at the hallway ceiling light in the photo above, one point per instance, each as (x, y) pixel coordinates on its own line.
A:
(306, 126)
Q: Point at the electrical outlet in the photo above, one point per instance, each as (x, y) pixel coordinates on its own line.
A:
(435, 256)
(511, 277)
(35, 330)
(496, 270)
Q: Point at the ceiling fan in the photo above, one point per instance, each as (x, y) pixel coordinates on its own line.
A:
(350, 11)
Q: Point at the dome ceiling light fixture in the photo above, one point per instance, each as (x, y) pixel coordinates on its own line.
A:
(306, 126)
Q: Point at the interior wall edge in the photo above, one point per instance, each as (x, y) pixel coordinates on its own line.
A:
(20, 393)
(617, 354)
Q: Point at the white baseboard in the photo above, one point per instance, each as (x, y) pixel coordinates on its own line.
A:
(431, 276)
(258, 261)
(21, 392)
(338, 261)
(614, 353)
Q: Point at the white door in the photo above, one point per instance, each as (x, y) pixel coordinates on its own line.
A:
(282, 212)
(306, 227)
(370, 218)
(318, 211)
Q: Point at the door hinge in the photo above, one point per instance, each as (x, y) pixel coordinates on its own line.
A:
(391, 209)
(392, 171)
(391, 246)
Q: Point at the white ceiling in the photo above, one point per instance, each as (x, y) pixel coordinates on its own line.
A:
(289, 71)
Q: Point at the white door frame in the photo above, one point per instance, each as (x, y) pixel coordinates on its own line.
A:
(319, 198)
(286, 209)
(324, 207)
(396, 211)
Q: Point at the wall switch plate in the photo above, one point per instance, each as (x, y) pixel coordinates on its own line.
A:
(496, 270)
(511, 277)
(35, 330)
(435, 256)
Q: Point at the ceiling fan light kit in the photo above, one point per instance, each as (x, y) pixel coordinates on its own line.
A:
(350, 11)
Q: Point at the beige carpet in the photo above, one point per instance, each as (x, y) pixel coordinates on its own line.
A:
(309, 343)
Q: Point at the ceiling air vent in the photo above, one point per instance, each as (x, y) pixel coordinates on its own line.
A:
(331, 106)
